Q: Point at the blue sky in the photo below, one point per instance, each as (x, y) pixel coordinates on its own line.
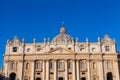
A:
(43, 18)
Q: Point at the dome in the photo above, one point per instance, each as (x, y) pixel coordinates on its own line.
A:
(62, 37)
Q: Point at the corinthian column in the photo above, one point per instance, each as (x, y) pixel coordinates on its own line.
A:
(44, 70)
(116, 69)
(66, 70)
(101, 77)
(20, 74)
(6, 68)
(55, 69)
(89, 74)
(78, 70)
(47, 70)
(74, 75)
(33, 70)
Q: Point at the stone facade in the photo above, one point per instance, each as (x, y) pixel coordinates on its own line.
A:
(63, 58)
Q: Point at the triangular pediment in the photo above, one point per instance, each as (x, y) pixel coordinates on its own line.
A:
(61, 50)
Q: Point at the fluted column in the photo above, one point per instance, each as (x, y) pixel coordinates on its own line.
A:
(66, 70)
(74, 75)
(33, 70)
(47, 70)
(89, 73)
(78, 70)
(101, 77)
(116, 68)
(55, 69)
(44, 70)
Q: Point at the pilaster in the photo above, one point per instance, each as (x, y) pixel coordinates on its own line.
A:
(78, 70)
(33, 70)
(20, 74)
(55, 69)
(101, 76)
(47, 69)
(44, 70)
(74, 75)
(116, 68)
(89, 72)
(66, 70)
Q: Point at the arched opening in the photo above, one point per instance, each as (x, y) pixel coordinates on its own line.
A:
(61, 78)
(83, 78)
(12, 76)
(27, 66)
(38, 78)
(109, 76)
(1, 77)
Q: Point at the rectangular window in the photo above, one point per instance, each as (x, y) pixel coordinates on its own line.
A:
(82, 49)
(59, 65)
(107, 48)
(14, 49)
(51, 65)
(82, 65)
(37, 65)
(69, 65)
(109, 66)
(13, 66)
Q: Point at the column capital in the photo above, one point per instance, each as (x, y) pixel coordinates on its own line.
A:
(89, 60)
(74, 59)
(116, 60)
(100, 60)
(66, 60)
(21, 60)
(6, 61)
(77, 59)
(55, 60)
(43, 59)
(32, 60)
(46, 59)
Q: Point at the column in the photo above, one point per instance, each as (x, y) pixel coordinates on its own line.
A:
(116, 68)
(33, 70)
(6, 68)
(66, 70)
(78, 70)
(55, 69)
(44, 70)
(47, 70)
(74, 75)
(20, 74)
(89, 73)
(101, 70)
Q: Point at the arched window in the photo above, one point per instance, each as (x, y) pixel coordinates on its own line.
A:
(109, 66)
(27, 66)
(82, 65)
(94, 65)
(37, 65)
